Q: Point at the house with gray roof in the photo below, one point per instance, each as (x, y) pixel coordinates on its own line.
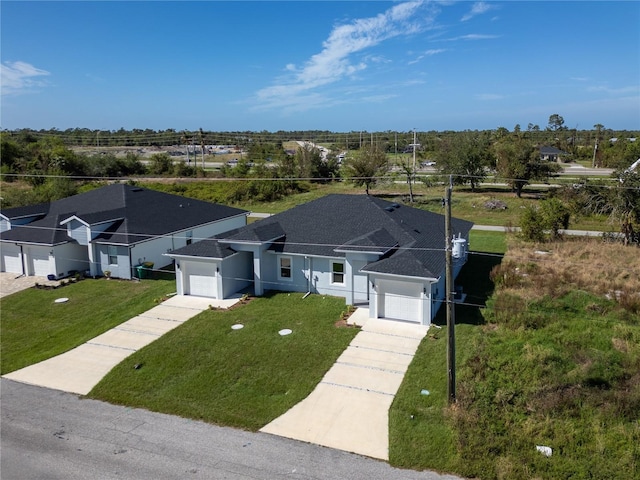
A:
(370, 251)
(114, 228)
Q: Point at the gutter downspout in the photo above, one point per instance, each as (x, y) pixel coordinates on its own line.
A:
(22, 260)
(309, 279)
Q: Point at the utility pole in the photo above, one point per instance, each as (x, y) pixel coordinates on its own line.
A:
(451, 321)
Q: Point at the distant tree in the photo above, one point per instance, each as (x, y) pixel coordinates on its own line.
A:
(556, 123)
(365, 168)
(160, 164)
(466, 157)
(518, 163)
(406, 167)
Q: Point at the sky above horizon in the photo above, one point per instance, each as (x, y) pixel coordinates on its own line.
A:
(319, 65)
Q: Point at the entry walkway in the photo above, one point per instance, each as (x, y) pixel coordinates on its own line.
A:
(349, 409)
(80, 369)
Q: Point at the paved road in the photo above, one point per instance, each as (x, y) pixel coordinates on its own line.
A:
(55, 435)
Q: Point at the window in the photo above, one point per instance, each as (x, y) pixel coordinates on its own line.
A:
(285, 267)
(189, 237)
(113, 255)
(337, 272)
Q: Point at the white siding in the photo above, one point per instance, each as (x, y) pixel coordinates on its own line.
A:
(69, 257)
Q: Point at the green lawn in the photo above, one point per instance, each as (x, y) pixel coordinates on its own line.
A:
(35, 328)
(242, 378)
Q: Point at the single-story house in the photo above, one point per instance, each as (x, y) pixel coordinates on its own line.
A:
(551, 154)
(114, 228)
(370, 251)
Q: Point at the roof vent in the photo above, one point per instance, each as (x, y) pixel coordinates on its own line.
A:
(389, 209)
(137, 189)
(395, 205)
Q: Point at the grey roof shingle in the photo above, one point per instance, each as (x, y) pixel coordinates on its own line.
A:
(412, 240)
(139, 214)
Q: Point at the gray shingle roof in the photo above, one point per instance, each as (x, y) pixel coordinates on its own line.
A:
(411, 239)
(139, 214)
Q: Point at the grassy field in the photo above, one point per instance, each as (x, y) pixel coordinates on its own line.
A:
(465, 204)
(553, 360)
(242, 378)
(35, 328)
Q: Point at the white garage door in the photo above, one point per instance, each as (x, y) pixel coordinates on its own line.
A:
(11, 260)
(400, 300)
(202, 281)
(40, 265)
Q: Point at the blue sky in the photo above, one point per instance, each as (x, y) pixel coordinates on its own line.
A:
(329, 65)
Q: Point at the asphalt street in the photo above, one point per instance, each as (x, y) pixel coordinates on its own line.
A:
(48, 434)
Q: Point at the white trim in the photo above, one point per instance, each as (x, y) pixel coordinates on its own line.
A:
(280, 267)
(333, 272)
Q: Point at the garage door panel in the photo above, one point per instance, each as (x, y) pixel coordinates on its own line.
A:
(202, 285)
(11, 260)
(40, 265)
(201, 279)
(401, 301)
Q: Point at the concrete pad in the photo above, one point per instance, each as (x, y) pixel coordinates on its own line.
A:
(349, 408)
(76, 371)
(154, 326)
(359, 317)
(397, 362)
(386, 343)
(364, 378)
(338, 417)
(170, 312)
(123, 339)
(397, 328)
(200, 303)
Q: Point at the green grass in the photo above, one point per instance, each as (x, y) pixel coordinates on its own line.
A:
(35, 328)
(241, 378)
(487, 242)
(556, 371)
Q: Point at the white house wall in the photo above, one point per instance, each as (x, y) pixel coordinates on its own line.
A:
(121, 270)
(69, 257)
(237, 273)
(78, 231)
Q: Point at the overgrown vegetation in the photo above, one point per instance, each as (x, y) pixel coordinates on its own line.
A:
(555, 363)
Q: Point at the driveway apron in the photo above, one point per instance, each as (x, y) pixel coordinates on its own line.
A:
(349, 409)
(80, 369)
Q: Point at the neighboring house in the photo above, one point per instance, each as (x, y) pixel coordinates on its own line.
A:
(372, 252)
(551, 154)
(113, 228)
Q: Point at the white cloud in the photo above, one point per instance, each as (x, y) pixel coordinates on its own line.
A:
(334, 62)
(475, 36)
(20, 77)
(428, 53)
(489, 96)
(478, 8)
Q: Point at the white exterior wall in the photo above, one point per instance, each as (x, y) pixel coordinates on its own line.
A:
(121, 270)
(236, 273)
(70, 256)
(78, 231)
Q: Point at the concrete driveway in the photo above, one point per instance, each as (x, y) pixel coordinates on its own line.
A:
(349, 409)
(80, 369)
